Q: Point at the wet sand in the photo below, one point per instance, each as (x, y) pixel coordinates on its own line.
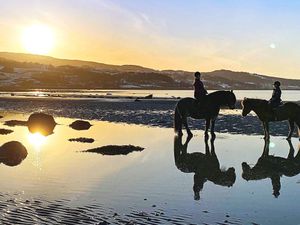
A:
(152, 112)
(56, 183)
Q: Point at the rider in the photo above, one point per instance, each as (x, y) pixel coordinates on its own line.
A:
(275, 100)
(199, 91)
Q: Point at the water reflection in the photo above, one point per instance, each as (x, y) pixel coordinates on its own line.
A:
(273, 167)
(205, 166)
(12, 153)
(36, 140)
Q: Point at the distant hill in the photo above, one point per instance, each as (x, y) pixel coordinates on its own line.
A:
(26, 71)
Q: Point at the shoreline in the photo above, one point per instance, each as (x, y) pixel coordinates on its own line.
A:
(148, 112)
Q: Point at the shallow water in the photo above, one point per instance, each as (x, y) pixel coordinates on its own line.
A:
(287, 95)
(58, 183)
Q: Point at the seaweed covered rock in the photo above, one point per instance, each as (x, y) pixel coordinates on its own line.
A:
(5, 131)
(115, 149)
(82, 140)
(80, 125)
(12, 153)
(42, 123)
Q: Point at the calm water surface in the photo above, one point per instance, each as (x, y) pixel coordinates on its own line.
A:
(58, 183)
(287, 95)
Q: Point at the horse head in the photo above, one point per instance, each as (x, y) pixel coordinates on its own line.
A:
(246, 106)
(226, 178)
(246, 171)
(231, 100)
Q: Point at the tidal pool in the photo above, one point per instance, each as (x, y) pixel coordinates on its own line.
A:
(169, 182)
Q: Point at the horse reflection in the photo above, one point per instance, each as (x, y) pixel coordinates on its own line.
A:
(273, 167)
(12, 153)
(205, 166)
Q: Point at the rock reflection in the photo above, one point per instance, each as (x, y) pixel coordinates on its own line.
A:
(205, 166)
(273, 167)
(12, 153)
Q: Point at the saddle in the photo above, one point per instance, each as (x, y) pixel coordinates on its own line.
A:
(274, 109)
(201, 105)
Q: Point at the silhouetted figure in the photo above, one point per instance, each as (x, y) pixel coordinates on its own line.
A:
(288, 111)
(205, 166)
(273, 167)
(199, 91)
(275, 100)
(188, 107)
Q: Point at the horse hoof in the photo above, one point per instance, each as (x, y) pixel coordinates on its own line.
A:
(190, 134)
(288, 138)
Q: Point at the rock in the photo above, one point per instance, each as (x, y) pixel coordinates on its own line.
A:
(5, 131)
(115, 149)
(82, 139)
(12, 123)
(42, 123)
(80, 125)
(149, 96)
(12, 153)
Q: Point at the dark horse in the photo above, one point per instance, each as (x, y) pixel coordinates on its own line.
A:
(288, 111)
(208, 110)
(273, 167)
(205, 166)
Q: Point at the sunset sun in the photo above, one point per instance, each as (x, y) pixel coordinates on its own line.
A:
(38, 39)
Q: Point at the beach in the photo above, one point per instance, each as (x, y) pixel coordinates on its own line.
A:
(149, 112)
(116, 160)
(59, 181)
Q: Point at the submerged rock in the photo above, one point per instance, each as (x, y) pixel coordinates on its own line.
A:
(80, 125)
(82, 140)
(5, 131)
(42, 123)
(13, 123)
(12, 153)
(115, 149)
(37, 122)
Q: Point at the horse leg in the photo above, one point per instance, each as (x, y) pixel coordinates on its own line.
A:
(266, 130)
(207, 126)
(292, 128)
(187, 127)
(212, 129)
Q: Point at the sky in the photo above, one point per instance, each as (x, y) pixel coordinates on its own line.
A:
(258, 36)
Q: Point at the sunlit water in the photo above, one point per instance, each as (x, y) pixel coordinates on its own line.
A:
(58, 183)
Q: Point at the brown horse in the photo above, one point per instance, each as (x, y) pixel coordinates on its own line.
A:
(208, 109)
(288, 111)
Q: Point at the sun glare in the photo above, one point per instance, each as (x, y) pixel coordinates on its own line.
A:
(36, 139)
(38, 39)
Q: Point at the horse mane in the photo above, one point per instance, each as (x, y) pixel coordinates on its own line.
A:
(216, 93)
(255, 101)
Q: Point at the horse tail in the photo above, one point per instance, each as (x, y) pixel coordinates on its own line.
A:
(177, 120)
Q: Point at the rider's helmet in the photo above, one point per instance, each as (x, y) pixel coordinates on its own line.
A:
(197, 74)
(277, 83)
